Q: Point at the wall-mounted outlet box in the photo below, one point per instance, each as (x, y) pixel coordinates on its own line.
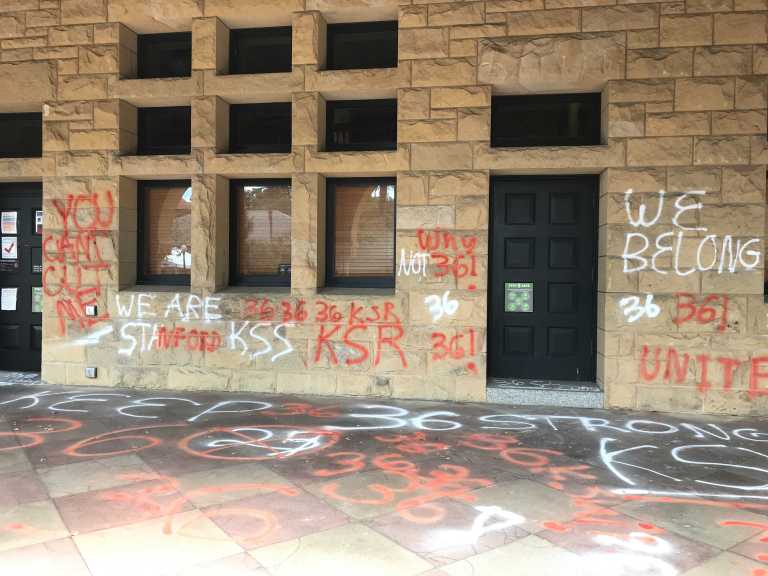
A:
(91, 310)
(90, 371)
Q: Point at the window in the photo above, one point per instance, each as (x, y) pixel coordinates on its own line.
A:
(362, 45)
(361, 125)
(21, 135)
(549, 120)
(260, 232)
(360, 232)
(164, 130)
(259, 128)
(164, 55)
(165, 232)
(260, 50)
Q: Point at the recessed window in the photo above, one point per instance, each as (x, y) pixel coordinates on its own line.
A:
(360, 232)
(21, 135)
(164, 55)
(165, 232)
(545, 120)
(165, 130)
(260, 50)
(260, 128)
(362, 45)
(260, 232)
(361, 125)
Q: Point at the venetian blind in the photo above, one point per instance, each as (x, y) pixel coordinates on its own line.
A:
(364, 235)
(167, 230)
(264, 230)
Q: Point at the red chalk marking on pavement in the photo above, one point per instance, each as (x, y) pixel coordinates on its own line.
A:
(150, 442)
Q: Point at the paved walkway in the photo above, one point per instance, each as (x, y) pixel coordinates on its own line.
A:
(125, 482)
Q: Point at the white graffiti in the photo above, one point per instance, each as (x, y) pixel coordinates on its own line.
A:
(720, 253)
(236, 340)
(634, 309)
(439, 307)
(394, 419)
(640, 555)
(415, 264)
(182, 307)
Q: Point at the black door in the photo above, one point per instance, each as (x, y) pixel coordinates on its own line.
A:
(542, 292)
(21, 295)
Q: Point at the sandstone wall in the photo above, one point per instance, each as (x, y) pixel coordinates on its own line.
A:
(682, 324)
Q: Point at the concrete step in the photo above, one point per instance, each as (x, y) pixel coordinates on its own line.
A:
(526, 392)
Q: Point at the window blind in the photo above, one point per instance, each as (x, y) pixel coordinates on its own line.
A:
(263, 229)
(167, 230)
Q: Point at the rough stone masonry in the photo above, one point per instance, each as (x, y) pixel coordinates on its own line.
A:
(682, 323)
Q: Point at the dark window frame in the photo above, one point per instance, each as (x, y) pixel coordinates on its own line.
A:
(146, 52)
(239, 35)
(26, 121)
(333, 281)
(235, 278)
(363, 27)
(143, 279)
(330, 107)
(592, 136)
(145, 148)
(240, 148)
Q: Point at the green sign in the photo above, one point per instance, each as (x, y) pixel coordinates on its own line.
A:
(518, 297)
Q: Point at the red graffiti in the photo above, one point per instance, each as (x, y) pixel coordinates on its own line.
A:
(688, 309)
(453, 255)
(456, 347)
(350, 327)
(74, 264)
(285, 311)
(194, 340)
(674, 367)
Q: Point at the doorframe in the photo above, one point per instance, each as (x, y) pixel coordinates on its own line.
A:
(598, 376)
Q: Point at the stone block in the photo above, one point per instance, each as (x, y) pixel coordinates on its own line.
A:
(623, 17)
(412, 189)
(702, 6)
(308, 38)
(83, 11)
(169, 91)
(478, 31)
(673, 151)
(255, 87)
(554, 159)
(414, 43)
(70, 35)
(641, 91)
(696, 178)
(739, 122)
(37, 18)
(456, 13)
(462, 48)
(580, 62)
(81, 164)
(82, 88)
(678, 124)
(305, 127)
(751, 93)
(464, 97)
(444, 72)
(457, 183)
(741, 28)
(93, 140)
(32, 82)
(346, 83)
(251, 165)
(359, 163)
(637, 39)
(639, 179)
(12, 25)
(474, 124)
(97, 59)
(686, 30)
(149, 16)
(55, 136)
(496, 6)
(442, 156)
(425, 217)
(659, 63)
(413, 104)
(744, 184)
(472, 213)
(412, 17)
(540, 22)
(722, 61)
(626, 120)
(426, 130)
(704, 94)
(721, 150)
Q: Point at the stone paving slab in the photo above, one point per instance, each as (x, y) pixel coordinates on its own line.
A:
(111, 482)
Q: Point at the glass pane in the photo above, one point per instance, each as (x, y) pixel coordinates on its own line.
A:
(165, 130)
(361, 125)
(165, 55)
(260, 128)
(364, 216)
(167, 229)
(362, 45)
(264, 229)
(260, 50)
(546, 120)
(21, 135)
